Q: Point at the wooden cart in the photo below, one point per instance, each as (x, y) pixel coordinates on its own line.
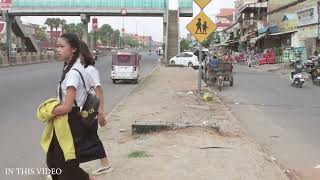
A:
(222, 73)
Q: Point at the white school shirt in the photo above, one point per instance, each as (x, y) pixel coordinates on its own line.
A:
(73, 78)
(93, 77)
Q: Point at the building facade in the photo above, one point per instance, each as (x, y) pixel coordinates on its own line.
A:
(250, 16)
(308, 28)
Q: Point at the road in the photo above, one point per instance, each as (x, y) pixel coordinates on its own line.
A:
(282, 119)
(23, 89)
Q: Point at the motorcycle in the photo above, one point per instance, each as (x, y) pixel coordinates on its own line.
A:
(297, 77)
(313, 68)
(308, 66)
(297, 80)
(315, 75)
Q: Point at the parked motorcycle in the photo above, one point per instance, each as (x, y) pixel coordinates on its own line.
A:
(315, 75)
(312, 66)
(308, 66)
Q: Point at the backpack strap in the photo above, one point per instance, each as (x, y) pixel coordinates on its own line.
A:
(84, 84)
(60, 89)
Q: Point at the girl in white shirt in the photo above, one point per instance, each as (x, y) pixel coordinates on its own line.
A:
(72, 95)
(94, 80)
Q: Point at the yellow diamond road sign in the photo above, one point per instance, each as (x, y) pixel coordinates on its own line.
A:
(202, 3)
(201, 27)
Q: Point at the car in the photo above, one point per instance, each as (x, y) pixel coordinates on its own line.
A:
(185, 59)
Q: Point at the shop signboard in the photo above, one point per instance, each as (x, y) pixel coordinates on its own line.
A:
(308, 32)
(290, 25)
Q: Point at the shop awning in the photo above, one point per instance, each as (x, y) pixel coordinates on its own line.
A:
(284, 32)
(254, 40)
(244, 38)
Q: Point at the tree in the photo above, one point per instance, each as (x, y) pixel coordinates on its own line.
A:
(117, 37)
(74, 28)
(104, 33)
(209, 40)
(50, 22)
(184, 44)
(63, 24)
(40, 33)
(130, 41)
(56, 23)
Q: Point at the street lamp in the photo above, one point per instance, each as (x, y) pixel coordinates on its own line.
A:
(123, 13)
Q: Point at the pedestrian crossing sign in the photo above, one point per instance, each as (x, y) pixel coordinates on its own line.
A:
(201, 27)
(202, 3)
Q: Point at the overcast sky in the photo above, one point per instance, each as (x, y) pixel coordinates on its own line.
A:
(148, 26)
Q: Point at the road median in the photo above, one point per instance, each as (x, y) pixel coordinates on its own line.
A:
(191, 149)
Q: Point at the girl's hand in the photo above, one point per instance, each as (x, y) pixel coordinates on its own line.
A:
(102, 119)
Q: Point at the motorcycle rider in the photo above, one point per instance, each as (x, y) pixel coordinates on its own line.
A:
(297, 68)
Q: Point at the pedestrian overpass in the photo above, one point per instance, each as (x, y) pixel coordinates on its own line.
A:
(87, 8)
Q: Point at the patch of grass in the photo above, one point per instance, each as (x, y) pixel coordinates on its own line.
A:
(138, 154)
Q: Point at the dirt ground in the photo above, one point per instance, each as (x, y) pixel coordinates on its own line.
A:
(169, 95)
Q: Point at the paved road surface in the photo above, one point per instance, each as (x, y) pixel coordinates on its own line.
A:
(283, 119)
(22, 89)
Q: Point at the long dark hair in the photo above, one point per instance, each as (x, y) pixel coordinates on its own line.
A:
(85, 52)
(74, 42)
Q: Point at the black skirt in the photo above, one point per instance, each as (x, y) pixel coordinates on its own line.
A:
(69, 169)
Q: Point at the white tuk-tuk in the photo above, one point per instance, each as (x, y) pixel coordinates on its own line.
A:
(125, 66)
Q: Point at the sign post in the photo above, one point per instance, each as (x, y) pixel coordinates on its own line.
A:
(201, 27)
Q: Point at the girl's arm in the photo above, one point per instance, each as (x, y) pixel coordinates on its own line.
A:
(66, 106)
(101, 113)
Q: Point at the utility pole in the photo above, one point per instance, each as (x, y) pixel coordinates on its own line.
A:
(8, 34)
(123, 13)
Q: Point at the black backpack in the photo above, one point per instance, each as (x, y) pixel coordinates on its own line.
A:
(90, 107)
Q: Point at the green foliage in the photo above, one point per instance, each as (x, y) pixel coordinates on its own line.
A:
(74, 28)
(56, 23)
(184, 44)
(50, 23)
(106, 34)
(117, 37)
(209, 40)
(128, 40)
(138, 154)
(40, 33)
(63, 24)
